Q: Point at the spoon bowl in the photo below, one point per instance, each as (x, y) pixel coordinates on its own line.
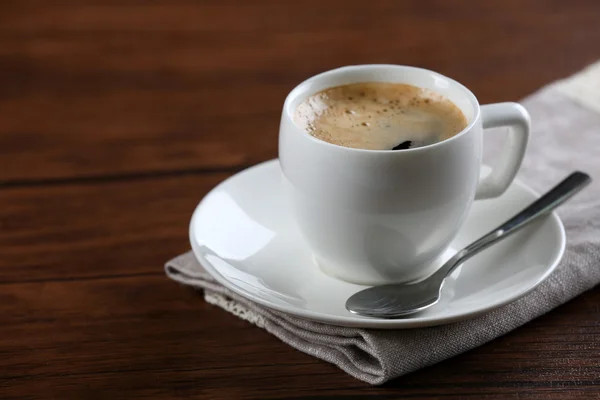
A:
(388, 301)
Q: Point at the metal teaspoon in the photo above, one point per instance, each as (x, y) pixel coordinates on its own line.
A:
(402, 299)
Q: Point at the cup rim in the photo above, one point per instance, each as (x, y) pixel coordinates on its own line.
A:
(301, 88)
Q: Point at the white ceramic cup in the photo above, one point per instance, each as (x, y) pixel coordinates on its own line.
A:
(381, 216)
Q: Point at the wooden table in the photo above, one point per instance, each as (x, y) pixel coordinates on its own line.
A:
(116, 117)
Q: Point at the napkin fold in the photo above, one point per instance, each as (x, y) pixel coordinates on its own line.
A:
(566, 136)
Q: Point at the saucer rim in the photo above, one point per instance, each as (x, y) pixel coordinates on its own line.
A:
(357, 321)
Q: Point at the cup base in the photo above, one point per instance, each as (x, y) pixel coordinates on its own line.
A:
(423, 272)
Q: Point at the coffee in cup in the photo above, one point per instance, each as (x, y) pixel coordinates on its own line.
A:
(379, 116)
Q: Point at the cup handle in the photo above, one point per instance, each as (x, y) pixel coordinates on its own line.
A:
(516, 117)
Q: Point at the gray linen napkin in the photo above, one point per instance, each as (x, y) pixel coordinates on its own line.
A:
(566, 136)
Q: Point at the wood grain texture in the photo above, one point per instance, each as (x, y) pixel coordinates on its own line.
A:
(98, 229)
(116, 117)
(95, 88)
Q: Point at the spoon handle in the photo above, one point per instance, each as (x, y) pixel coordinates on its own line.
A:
(542, 206)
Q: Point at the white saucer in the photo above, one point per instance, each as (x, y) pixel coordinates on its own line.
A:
(243, 235)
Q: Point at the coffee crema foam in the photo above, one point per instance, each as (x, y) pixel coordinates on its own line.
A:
(379, 116)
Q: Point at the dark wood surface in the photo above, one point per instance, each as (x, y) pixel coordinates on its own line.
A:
(116, 117)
